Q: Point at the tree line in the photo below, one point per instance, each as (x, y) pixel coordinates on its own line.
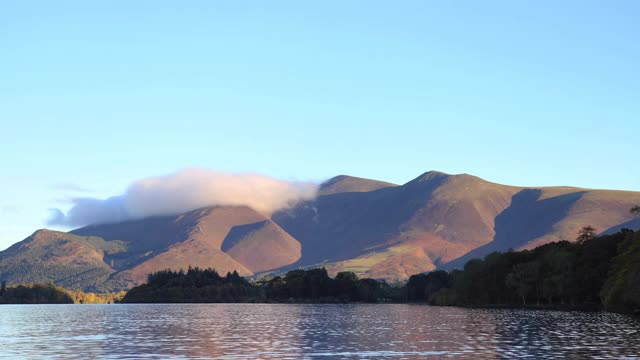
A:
(53, 294)
(594, 272)
(34, 294)
(207, 286)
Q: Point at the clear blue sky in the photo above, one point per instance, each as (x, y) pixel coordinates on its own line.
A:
(94, 95)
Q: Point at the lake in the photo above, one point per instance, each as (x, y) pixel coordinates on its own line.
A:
(249, 331)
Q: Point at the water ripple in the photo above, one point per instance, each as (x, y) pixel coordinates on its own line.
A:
(246, 331)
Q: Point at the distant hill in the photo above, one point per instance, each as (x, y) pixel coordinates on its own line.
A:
(69, 260)
(374, 228)
(344, 183)
(441, 220)
(117, 256)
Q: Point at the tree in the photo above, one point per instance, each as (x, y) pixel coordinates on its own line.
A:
(345, 286)
(585, 234)
(3, 288)
(436, 280)
(416, 287)
(621, 291)
(525, 280)
(368, 290)
(470, 290)
(560, 274)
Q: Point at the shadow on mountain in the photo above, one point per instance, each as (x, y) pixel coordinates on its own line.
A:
(140, 235)
(239, 232)
(344, 225)
(631, 224)
(526, 219)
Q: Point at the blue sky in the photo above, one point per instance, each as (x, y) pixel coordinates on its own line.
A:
(94, 95)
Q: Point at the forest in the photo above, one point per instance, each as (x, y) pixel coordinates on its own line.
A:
(593, 273)
(34, 294)
(52, 294)
(600, 272)
(299, 286)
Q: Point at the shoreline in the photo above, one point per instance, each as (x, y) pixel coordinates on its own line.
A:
(588, 308)
(551, 307)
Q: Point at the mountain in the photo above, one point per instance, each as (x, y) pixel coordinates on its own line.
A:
(374, 228)
(72, 261)
(122, 254)
(345, 183)
(398, 231)
(441, 221)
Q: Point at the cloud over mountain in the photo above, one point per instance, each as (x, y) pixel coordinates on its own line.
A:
(184, 191)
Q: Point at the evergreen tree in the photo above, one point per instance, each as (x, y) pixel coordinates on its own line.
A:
(585, 234)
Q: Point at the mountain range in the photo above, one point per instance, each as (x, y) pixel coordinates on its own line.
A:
(373, 228)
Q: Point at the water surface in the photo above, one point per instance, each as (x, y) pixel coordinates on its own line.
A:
(247, 331)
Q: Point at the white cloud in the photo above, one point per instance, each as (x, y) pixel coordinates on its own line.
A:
(183, 191)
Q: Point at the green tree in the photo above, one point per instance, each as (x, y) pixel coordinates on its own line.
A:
(369, 290)
(525, 280)
(585, 234)
(416, 287)
(621, 291)
(345, 286)
(467, 286)
(559, 278)
(421, 287)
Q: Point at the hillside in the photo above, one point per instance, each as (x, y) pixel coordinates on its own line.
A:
(345, 183)
(117, 256)
(376, 229)
(441, 221)
(69, 260)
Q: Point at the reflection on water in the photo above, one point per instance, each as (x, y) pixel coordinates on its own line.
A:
(245, 331)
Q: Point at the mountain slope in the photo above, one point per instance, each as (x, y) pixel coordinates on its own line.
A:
(122, 255)
(194, 239)
(373, 228)
(441, 220)
(345, 183)
(69, 260)
(248, 244)
(418, 220)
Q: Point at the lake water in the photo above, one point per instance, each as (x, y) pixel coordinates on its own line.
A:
(247, 331)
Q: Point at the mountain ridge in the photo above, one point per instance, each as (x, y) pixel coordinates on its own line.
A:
(374, 228)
